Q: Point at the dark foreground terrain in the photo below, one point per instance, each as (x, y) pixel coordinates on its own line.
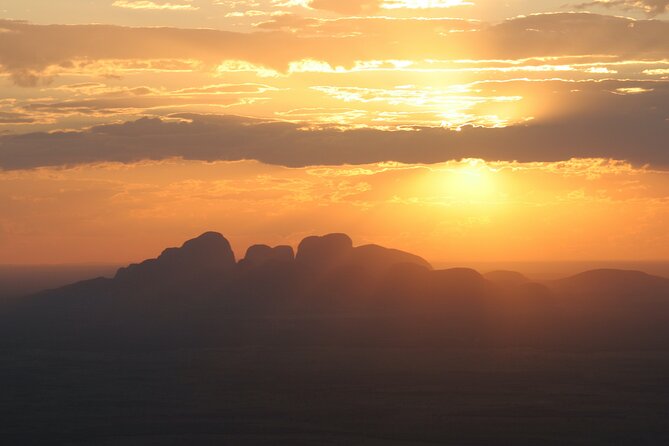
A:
(254, 396)
(335, 345)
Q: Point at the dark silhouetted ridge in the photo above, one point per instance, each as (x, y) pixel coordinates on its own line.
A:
(330, 292)
(612, 279)
(323, 252)
(506, 278)
(207, 254)
(623, 287)
(380, 259)
(260, 255)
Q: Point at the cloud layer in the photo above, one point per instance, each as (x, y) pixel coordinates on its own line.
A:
(652, 7)
(355, 90)
(625, 127)
(26, 50)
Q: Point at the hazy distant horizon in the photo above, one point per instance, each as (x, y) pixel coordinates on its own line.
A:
(479, 265)
(17, 280)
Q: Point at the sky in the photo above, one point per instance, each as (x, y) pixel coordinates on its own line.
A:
(462, 131)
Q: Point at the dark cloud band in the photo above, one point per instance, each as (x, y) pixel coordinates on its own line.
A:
(640, 140)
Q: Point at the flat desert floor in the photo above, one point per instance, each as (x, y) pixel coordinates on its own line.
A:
(393, 396)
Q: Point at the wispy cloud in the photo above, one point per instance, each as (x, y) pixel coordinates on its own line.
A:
(372, 6)
(151, 5)
(652, 7)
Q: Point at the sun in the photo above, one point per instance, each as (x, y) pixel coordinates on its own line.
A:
(471, 180)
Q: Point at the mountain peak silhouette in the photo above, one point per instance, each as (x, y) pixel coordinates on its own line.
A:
(259, 255)
(323, 251)
(378, 258)
(332, 290)
(210, 253)
(206, 239)
(210, 247)
(631, 286)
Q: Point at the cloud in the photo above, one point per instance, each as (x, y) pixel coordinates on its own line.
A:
(15, 118)
(29, 51)
(97, 99)
(423, 4)
(373, 6)
(611, 120)
(367, 26)
(347, 6)
(150, 5)
(652, 7)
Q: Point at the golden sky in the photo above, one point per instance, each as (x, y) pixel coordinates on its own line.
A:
(459, 130)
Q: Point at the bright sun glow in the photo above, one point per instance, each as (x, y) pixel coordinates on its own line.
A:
(471, 181)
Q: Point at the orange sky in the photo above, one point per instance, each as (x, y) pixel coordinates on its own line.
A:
(459, 130)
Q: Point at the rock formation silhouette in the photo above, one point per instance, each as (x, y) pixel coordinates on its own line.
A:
(331, 291)
(206, 255)
(260, 255)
